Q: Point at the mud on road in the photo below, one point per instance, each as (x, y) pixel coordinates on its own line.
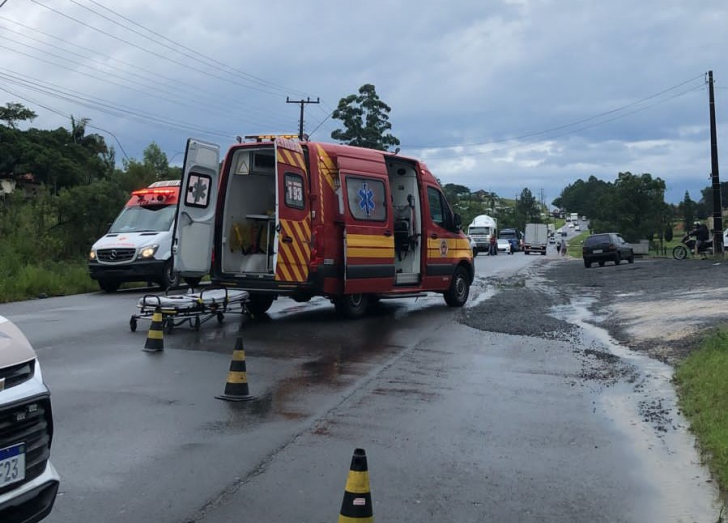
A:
(662, 307)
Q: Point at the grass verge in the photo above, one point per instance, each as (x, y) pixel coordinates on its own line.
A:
(703, 391)
(49, 279)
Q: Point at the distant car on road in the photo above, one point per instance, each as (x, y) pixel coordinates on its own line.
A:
(577, 227)
(552, 240)
(604, 247)
(504, 245)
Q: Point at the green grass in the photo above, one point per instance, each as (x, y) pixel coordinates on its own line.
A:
(702, 385)
(50, 279)
(574, 245)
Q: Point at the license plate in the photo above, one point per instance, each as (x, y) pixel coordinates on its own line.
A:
(598, 251)
(12, 464)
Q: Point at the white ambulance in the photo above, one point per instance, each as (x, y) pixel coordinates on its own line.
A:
(138, 245)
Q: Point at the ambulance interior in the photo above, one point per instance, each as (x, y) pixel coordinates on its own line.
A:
(248, 228)
(407, 210)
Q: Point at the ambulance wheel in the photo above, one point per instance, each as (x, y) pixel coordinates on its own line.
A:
(170, 277)
(260, 303)
(193, 282)
(108, 285)
(352, 306)
(459, 290)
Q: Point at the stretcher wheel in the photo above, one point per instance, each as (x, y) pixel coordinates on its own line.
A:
(168, 325)
(197, 323)
(220, 317)
(133, 324)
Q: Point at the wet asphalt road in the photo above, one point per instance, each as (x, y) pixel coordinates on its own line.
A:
(515, 408)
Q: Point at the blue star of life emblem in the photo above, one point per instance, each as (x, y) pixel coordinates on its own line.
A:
(366, 201)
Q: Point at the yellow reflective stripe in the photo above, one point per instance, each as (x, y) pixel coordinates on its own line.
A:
(369, 240)
(237, 377)
(155, 334)
(285, 275)
(347, 519)
(238, 355)
(357, 482)
(363, 252)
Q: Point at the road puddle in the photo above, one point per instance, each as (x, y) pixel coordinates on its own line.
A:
(641, 400)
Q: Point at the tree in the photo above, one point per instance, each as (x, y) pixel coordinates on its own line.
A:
(365, 119)
(13, 113)
(527, 209)
(156, 159)
(687, 207)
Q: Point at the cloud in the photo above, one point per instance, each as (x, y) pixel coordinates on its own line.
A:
(512, 75)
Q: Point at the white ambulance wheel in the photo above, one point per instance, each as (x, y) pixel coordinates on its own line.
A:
(108, 285)
(459, 290)
(352, 306)
(170, 277)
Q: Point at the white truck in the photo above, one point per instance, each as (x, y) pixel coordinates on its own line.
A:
(537, 237)
(482, 228)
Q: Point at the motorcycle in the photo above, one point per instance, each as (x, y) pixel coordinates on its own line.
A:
(687, 246)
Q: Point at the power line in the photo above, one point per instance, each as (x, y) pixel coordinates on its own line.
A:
(152, 52)
(516, 146)
(109, 108)
(177, 83)
(577, 122)
(143, 92)
(229, 68)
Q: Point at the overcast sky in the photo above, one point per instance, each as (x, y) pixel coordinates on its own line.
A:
(494, 95)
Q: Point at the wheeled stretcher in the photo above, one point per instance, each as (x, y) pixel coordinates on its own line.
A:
(192, 309)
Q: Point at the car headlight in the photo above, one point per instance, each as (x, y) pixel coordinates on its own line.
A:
(148, 252)
(92, 255)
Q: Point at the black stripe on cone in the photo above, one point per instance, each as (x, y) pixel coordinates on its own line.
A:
(357, 503)
(155, 336)
(236, 387)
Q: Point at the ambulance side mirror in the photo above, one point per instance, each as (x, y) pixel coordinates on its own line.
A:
(458, 221)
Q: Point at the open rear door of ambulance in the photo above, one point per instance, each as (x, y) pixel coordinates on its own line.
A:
(195, 223)
(293, 253)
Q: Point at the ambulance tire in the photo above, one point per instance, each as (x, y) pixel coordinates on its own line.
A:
(352, 306)
(193, 282)
(459, 290)
(260, 303)
(109, 285)
(170, 278)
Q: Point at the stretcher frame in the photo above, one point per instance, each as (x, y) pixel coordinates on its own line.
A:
(194, 311)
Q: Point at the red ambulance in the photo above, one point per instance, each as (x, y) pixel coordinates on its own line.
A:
(301, 219)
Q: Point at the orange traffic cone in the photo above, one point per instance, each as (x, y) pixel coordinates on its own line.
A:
(236, 387)
(155, 336)
(357, 504)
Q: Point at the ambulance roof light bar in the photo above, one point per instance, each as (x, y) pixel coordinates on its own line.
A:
(270, 137)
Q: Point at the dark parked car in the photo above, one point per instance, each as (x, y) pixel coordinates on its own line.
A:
(604, 247)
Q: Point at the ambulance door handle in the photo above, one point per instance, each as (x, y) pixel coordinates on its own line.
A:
(287, 239)
(388, 233)
(433, 235)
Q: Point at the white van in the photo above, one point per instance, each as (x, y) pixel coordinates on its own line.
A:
(138, 245)
(28, 481)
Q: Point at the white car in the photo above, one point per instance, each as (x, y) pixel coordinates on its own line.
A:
(28, 481)
(504, 245)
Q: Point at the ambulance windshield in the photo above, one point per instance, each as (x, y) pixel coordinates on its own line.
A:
(150, 218)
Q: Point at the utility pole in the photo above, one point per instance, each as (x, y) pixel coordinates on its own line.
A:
(717, 204)
(302, 103)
